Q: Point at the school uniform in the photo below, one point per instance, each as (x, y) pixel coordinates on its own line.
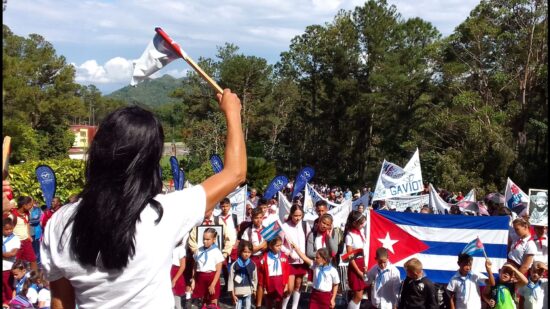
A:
(356, 239)
(521, 248)
(275, 269)
(253, 235)
(8, 244)
(324, 278)
(466, 290)
(535, 294)
(385, 285)
(297, 235)
(179, 253)
(205, 263)
(231, 224)
(243, 281)
(21, 230)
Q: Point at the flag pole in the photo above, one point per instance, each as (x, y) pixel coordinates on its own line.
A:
(188, 59)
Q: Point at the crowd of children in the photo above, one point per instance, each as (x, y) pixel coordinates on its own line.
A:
(270, 273)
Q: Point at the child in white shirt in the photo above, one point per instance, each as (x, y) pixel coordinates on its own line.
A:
(535, 293)
(464, 285)
(208, 266)
(384, 280)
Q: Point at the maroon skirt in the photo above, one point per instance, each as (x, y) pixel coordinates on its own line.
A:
(356, 282)
(275, 288)
(202, 282)
(298, 270)
(179, 288)
(257, 260)
(319, 299)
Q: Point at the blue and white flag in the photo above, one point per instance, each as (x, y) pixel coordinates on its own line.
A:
(436, 240)
(217, 163)
(473, 247)
(48, 184)
(272, 230)
(277, 184)
(181, 180)
(175, 168)
(303, 177)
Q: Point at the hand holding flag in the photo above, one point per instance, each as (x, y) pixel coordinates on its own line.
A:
(161, 51)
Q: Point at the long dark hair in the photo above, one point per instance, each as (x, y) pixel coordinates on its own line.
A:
(122, 178)
(293, 209)
(353, 217)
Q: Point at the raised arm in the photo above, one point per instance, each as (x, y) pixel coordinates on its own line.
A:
(220, 185)
(491, 278)
(301, 254)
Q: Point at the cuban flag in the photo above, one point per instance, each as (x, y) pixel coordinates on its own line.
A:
(271, 230)
(473, 247)
(436, 240)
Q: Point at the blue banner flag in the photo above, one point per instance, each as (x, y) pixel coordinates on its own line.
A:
(181, 180)
(304, 176)
(277, 184)
(48, 183)
(175, 168)
(217, 164)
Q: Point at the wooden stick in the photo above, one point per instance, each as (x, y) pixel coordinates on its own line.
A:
(5, 155)
(188, 59)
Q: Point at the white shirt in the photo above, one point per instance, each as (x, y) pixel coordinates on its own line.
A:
(229, 223)
(535, 294)
(328, 280)
(45, 296)
(271, 266)
(204, 265)
(269, 219)
(521, 248)
(354, 240)
(542, 249)
(471, 297)
(32, 295)
(296, 235)
(145, 282)
(178, 254)
(251, 235)
(13, 243)
(386, 284)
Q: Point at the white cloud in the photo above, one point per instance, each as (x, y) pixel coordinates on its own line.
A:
(116, 70)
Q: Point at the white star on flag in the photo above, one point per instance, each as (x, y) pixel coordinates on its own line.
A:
(388, 242)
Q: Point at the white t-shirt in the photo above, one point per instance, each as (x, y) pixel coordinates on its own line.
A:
(535, 296)
(296, 235)
(251, 234)
(272, 271)
(178, 254)
(521, 248)
(329, 278)
(229, 223)
(32, 295)
(466, 290)
(13, 243)
(385, 286)
(354, 240)
(205, 265)
(44, 296)
(145, 282)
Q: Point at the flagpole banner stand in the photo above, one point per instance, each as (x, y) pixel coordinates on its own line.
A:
(538, 207)
(219, 238)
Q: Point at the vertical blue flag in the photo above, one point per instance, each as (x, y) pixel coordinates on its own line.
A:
(175, 168)
(181, 180)
(48, 183)
(217, 164)
(304, 176)
(277, 184)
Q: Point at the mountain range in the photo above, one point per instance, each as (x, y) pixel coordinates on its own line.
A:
(152, 92)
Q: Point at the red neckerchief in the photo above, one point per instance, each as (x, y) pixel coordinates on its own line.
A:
(357, 232)
(518, 242)
(539, 240)
(207, 222)
(324, 238)
(24, 216)
(257, 233)
(225, 219)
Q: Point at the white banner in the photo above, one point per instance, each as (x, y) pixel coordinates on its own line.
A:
(339, 212)
(395, 181)
(414, 202)
(284, 206)
(471, 196)
(538, 207)
(238, 204)
(437, 204)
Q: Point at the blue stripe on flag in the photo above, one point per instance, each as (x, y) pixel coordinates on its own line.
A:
(442, 221)
(455, 248)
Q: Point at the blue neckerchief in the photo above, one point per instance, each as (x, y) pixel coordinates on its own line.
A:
(205, 252)
(5, 242)
(275, 258)
(532, 286)
(380, 277)
(321, 275)
(463, 283)
(243, 272)
(19, 285)
(500, 293)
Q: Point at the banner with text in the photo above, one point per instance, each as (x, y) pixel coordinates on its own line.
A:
(395, 181)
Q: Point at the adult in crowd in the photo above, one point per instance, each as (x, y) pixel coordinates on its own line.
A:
(253, 198)
(113, 248)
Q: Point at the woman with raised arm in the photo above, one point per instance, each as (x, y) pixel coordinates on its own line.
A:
(113, 248)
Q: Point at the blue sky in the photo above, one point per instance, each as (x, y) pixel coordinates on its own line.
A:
(101, 37)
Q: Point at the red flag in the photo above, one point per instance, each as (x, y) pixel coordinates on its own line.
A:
(400, 244)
